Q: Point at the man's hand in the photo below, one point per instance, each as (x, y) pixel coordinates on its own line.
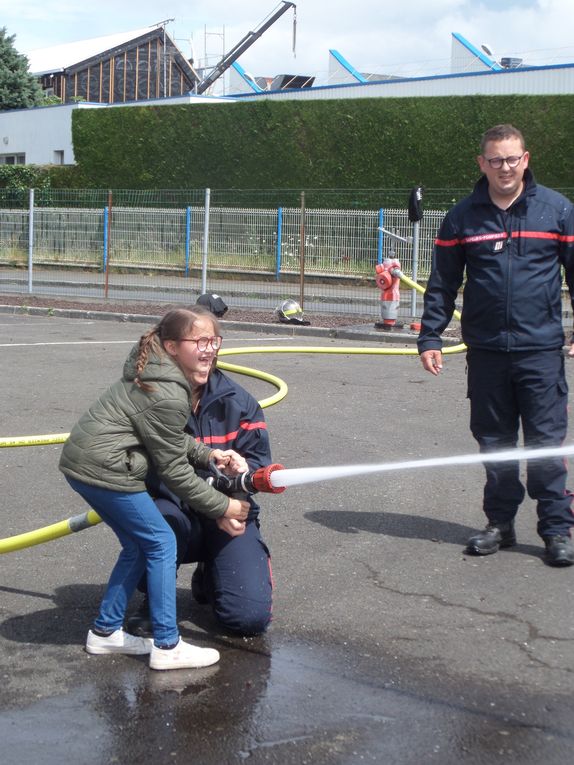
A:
(571, 351)
(237, 510)
(231, 527)
(432, 361)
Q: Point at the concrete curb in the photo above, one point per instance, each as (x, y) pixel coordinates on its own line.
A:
(362, 332)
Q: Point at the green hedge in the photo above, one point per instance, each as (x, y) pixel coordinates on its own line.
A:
(355, 144)
(23, 177)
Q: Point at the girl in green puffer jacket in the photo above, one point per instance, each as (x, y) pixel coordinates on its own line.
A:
(139, 421)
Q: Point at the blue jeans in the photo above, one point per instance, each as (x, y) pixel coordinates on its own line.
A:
(148, 545)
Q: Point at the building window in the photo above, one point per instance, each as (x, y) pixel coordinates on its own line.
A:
(12, 159)
(59, 157)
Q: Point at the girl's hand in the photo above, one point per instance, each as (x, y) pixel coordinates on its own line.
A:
(230, 462)
(220, 458)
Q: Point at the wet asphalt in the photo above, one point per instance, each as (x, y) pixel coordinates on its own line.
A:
(388, 644)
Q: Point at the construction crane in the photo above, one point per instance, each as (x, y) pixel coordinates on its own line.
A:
(245, 43)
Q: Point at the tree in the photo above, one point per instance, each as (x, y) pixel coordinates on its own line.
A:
(18, 88)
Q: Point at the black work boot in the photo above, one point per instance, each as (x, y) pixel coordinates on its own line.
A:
(494, 536)
(559, 551)
(139, 623)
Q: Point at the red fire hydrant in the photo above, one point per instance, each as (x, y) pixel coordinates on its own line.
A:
(389, 284)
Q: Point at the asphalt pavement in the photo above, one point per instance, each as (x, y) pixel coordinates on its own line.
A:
(388, 644)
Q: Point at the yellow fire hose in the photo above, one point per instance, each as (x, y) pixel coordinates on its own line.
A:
(47, 533)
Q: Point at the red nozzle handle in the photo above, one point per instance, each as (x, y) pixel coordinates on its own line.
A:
(261, 479)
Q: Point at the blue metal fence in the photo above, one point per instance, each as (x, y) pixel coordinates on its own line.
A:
(254, 254)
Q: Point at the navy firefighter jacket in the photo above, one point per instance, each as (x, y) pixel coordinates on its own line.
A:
(228, 418)
(513, 262)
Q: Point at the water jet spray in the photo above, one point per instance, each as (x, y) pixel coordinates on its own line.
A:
(282, 478)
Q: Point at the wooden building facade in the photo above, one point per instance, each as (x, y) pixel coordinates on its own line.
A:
(149, 66)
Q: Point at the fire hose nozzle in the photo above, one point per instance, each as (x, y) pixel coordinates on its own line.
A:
(261, 479)
(246, 483)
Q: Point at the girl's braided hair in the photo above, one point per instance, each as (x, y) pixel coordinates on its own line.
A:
(175, 325)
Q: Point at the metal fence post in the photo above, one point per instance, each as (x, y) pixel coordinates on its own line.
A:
(279, 235)
(105, 253)
(109, 231)
(30, 239)
(415, 275)
(302, 252)
(381, 236)
(187, 237)
(205, 242)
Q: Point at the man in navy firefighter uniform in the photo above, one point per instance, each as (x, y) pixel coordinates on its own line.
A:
(233, 575)
(512, 238)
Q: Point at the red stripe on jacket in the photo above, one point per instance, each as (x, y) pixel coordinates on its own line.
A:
(228, 437)
(567, 239)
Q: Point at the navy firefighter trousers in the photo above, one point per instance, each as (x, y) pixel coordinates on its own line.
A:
(528, 389)
(236, 578)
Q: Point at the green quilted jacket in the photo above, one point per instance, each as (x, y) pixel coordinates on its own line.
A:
(126, 429)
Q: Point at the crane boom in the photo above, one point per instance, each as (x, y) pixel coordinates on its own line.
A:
(245, 43)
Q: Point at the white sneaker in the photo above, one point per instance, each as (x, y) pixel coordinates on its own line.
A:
(118, 642)
(182, 656)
